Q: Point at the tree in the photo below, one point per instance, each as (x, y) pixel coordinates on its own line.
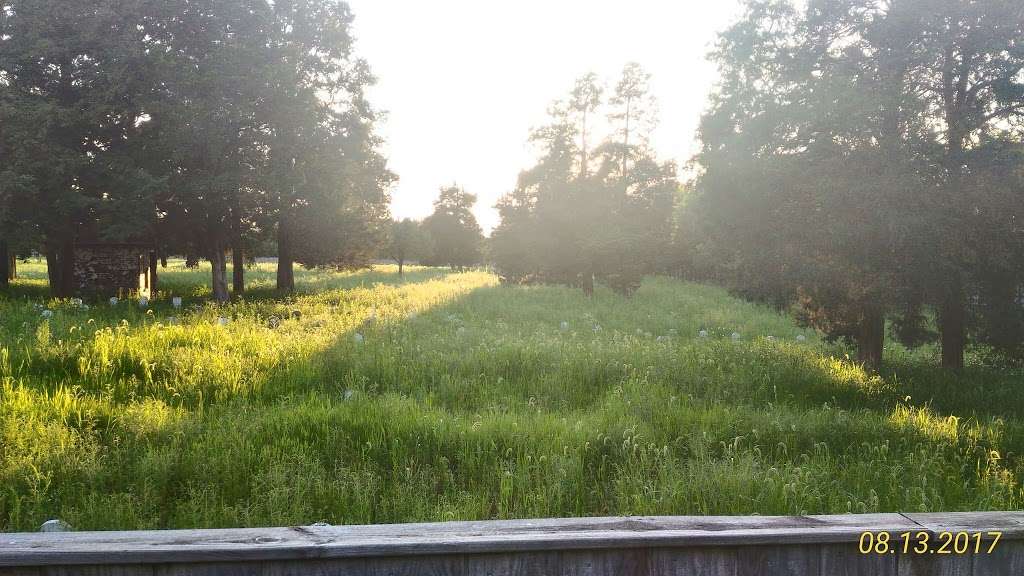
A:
(405, 241)
(970, 78)
(71, 76)
(453, 230)
(808, 165)
(572, 226)
(633, 111)
(205, 122)
(585, 99)
(322, 157)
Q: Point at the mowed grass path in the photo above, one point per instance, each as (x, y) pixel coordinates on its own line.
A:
(444, 396)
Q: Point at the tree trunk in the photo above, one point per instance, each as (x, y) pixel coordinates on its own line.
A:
(952, 324)
(153, 274)
(238, 267)
(871, 339)
(285, 259)
(5, 265)
(60, 268)
(53, 269)
(219, 263)
(401, 267)
(67, 265)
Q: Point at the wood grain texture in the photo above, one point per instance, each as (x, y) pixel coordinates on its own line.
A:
(662, 546)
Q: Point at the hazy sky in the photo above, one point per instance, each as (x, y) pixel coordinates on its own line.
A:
(464, 81)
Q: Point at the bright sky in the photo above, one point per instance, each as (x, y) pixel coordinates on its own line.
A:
(464, 81)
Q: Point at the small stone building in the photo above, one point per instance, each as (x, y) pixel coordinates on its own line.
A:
(102, 270)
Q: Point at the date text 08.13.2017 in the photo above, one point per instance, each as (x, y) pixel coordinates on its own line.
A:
(923, 542)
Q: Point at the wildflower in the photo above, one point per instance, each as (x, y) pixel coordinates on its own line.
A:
(801, 338)
(47, 313)
(597, 327)
(176, 302)
(114, 300)
(703, 334)
(222, 321)
(358, 338)
(348, 394)
(143, 302)
(770, 338)
(564, 326)
(735, 335)
(661, 339)
(76, 302)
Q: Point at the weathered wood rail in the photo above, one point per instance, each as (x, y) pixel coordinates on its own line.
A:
(712, 546)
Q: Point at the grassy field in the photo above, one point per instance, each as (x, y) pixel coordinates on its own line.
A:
(369, 399)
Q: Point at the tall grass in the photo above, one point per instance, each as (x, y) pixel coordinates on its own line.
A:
(368, 398)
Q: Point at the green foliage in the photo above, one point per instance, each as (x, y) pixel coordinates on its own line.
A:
(583, 214)
(406, 240)
(842, 167)
(196, 126)
(468, 400)
(455, 237)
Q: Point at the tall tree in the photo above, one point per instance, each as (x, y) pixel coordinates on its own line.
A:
(572, 226)
(972, 81)
(405, 241)
(454, 234)
(322, 151)
(807, 164)
(72, 76)
(585, 99)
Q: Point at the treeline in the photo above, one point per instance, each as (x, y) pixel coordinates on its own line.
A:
(197, 126)
(864, 158)
(861, 163)
(598, 204)
(450, 236)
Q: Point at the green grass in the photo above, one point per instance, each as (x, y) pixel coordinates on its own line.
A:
(467, 400)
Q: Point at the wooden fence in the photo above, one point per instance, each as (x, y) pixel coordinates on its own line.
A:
(713, 546)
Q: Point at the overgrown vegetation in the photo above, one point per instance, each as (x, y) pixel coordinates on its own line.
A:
(367, 397)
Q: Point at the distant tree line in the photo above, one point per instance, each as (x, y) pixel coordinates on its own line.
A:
(598, 205)
(861, 164)
(450, 236)
(199, 126)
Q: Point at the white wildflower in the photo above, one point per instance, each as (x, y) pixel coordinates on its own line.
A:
(114, 300)
(358, 338)
(801, 338)
(564, 326)
(703, 334)
(143, 302)
(47, 313)
(222, 321)
(735, 335)
(176, 302)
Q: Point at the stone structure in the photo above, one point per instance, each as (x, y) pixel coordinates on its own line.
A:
(102, 270)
